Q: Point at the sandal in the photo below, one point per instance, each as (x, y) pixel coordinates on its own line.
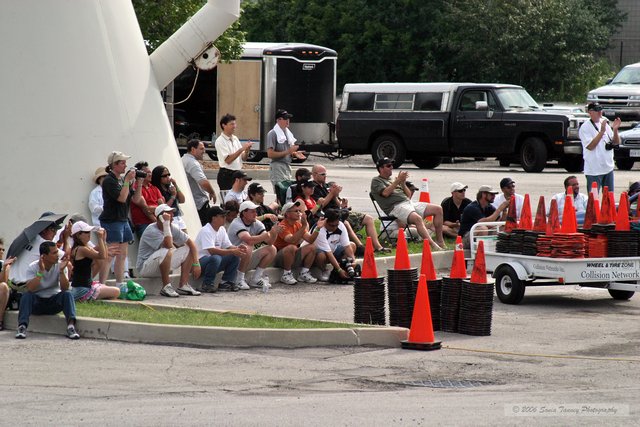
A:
(382, 250)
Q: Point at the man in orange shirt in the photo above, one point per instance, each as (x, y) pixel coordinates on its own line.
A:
(295, 231)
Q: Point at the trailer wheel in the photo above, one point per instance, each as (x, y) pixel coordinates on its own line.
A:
(621, 295)
(390, 146)
(509, 287)
(533, 155)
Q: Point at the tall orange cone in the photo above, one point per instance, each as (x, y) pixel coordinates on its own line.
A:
(369, 268)
(594, 190)
(554, 222)
(425, 197)
(421, 335)
(479, 272)
(605, 208)
(596, 210)
(402, 252)
(458, 268)
(540, 223)
(569, 222)
(622, 219)
(525, 217)
(612, 206)
(512, 216)
(427, 268)
(590, 214)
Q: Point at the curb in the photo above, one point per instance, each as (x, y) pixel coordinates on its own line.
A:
(210, 336)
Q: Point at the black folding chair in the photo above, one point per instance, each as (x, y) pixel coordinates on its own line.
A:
(386, 221)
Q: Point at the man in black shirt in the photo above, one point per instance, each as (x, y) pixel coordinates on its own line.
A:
(266, 214)
(481, 210)
(452, 208)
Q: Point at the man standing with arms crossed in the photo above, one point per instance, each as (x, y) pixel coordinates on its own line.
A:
(231, 153)
(200, 186)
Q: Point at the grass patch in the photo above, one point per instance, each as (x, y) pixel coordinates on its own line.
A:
(183, 316)
(413, 247)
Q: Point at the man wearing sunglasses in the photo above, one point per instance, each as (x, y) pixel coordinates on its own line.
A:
(452, 208)
(394, 197)
(508, 187)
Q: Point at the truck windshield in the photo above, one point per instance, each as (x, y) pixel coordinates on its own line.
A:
(512, 98)
(627, 76)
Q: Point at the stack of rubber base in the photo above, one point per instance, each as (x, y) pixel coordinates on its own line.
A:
(369, 301)
(450, 304)
(476, 308)
(622, 243)
(435, 289)
(401, 291)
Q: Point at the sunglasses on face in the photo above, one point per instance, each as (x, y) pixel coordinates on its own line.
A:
(389, 166)
(166, 175)
(461, 191)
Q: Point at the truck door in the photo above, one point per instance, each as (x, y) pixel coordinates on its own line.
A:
(239, 94)
(476, 132)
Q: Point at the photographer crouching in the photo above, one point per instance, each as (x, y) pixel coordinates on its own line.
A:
(333, 247)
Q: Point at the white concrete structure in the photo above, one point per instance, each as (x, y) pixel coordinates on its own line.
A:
(77, 83)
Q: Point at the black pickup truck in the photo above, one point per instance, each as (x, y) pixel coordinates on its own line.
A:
(424, 122)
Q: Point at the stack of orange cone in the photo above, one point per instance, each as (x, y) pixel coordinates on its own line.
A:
(421, 335)
(569, 223)
(427, 268)
(512, 216)
(525, 217)
(402, 252)
(425, 197)
(369, 268)
(612, 206)
(553, 225)
(540, 223)
(622, 220)
(458, 267)
(590, 214)
(605, 209)
(479, 272)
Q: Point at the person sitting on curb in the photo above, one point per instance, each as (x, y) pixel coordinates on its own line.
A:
(481, 210)
(47, 291)
(163, 248)
(332, 245)
(238, 189)
(231, 208)
(393, 196)
(216, 254)
(508, 187)
(579, 200)
(452, 208)
(247, 231)
(290, 254)
(267, 214)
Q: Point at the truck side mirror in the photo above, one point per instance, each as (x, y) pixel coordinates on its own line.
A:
(482, 105)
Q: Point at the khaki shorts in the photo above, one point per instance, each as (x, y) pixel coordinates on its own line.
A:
(297, 260)
(404, 209)
(151, 267)
(256, 256)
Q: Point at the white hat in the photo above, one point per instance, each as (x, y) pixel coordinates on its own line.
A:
(116, 156)
(82, 226)
(162, 209)
(458, 186)
(289, 205)
(247, 204)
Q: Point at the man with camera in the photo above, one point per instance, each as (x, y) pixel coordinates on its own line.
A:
(599, 138)
(333, 247)
(143, 208)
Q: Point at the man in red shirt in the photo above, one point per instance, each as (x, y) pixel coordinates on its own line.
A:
(142, 212)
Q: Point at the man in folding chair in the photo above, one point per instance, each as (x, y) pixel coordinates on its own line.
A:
(393, 196)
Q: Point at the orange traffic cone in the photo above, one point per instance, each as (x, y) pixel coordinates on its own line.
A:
(612, 206)
(594, 190)
(622, 219)
(605, 209)
(525, 216)
(512, 216)
(458, 268)
(569, 222)
(424, 195)
(540, 223)
(554, 221)
(596, 210)
(402, 252)
(421, 335)
(369, 268)
(427, 268)
(590, 214)
(479, 272)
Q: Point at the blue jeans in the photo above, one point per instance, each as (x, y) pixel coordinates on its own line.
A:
(213, 264)
(601, 180)
(31, 303)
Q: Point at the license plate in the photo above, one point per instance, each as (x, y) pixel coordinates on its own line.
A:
(634, 153)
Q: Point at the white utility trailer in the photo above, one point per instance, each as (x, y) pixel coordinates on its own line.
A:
(513, 273)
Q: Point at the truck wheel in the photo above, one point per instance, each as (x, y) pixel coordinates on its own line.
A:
(255, 156)
(509, 288)
(624, 164)
(427, 163)
(533, 155)
(389, 146)
(572, 163)
(621, 295)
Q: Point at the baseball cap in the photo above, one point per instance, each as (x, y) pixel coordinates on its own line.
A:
(216, 211)
(247, 204)
(456, 186)
(255, 188)
(99, 173)
(289, 205)
(116, 156)
(82, 226)
(160, 209)
(383, 161)
(487, 189)
(505, 182)
(241, 175)
(77, 217)
(283, 114)
(594, 106)
(308, 183)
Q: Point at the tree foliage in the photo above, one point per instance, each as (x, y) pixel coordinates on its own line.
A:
(552, 47)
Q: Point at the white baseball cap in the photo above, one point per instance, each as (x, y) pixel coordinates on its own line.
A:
(79, 226)
(162, 209)
(247, 204)
(456, 186)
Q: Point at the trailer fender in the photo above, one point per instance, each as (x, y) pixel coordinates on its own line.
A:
(517, 267)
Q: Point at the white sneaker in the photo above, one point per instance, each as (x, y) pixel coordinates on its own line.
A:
(257, 282)
(288, 279)
(307, 277)
(243, 285)
(168, 291)
(324, 276)
(188, 290)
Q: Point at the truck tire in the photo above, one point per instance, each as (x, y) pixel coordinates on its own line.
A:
(572, 163)
(533, 155)
(624, 164)
(390, 146)
(509, 287)
(427, 163)
(621, 295)
(255, 156)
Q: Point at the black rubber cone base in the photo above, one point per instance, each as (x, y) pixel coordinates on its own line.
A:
(422, 346)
